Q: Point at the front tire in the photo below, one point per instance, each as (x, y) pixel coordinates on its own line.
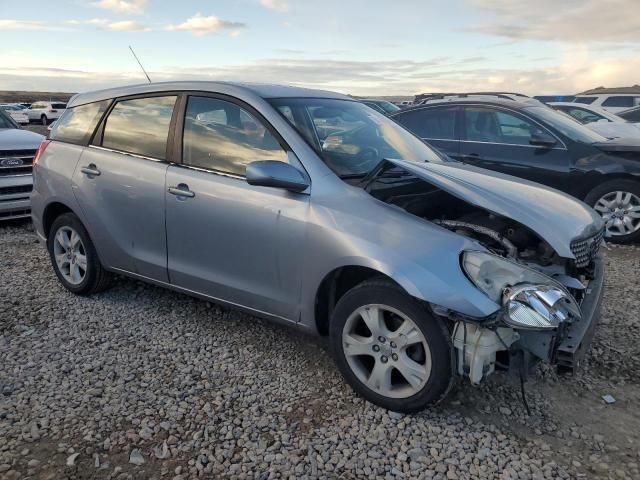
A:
(618, 203)
(74, 258)
(390, 348)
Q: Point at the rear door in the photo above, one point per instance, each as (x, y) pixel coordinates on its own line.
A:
(499, 139)
(120, 185)
(436, 125)
(227, 239)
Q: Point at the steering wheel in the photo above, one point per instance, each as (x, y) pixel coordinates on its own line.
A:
(366, 156)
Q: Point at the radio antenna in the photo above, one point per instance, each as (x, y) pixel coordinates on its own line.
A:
(140, 63)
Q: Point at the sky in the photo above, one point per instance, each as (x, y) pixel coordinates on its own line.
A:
(359, 47)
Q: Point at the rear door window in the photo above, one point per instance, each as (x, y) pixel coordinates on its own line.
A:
(487, 125)
(76, 125)
(619, 101)
(220, 135)
(585, 100)
(431, 123)
(140, 126)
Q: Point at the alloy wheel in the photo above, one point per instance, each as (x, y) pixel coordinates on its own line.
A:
(620, 211)
(386, 351)
(70, 255)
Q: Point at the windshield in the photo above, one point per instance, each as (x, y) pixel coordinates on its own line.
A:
(350, 137)
(6, 122)
(566, 125)
(388, 106)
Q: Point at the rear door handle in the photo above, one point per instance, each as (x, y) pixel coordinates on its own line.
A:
(182, 190)
(90, 170)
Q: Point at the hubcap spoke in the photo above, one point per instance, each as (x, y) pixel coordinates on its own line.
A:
(374, 319)
(406, 334)
(411, 370)
(81, 261)
(355, 345)
(380, 378)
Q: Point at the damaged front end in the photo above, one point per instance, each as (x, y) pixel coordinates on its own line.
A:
(540, 319)
(538, 259)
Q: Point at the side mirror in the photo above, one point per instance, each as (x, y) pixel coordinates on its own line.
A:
(272, 173)
(542, 139)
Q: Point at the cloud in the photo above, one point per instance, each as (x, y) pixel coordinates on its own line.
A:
(104, 24)
(278, 5)
(203, 25)
(577, 70)
(23, 25)
(575, 21)
(127, 26)
(124, 6)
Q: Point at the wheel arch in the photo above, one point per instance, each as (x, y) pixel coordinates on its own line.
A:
(335, 284)
(51, 212)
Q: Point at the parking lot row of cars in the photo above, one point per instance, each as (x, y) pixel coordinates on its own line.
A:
(40, 112)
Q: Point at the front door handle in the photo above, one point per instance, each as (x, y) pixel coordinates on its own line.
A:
(182, 190)
(90, 170)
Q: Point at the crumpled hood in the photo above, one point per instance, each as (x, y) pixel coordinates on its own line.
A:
(555, 216)
(628, 144)
(616, 130)
(16, 139)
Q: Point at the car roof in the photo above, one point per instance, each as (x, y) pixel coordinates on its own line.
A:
(497, 102)
(263, 90)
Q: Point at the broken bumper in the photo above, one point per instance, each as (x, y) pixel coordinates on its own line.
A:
(577, 340)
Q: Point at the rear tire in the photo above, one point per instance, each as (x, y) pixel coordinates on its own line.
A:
(44, 120)
(404, 365)
(618, 202)
(74, 257)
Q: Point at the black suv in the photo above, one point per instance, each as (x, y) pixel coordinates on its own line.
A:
(532, 141)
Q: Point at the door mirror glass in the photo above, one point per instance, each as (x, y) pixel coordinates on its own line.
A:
(272, 173)
(542, 139)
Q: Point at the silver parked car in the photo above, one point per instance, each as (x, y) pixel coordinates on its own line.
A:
(312, 209)
(17, 150)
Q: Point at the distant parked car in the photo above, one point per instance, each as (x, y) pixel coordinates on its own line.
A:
(598, 119)
(613, 102)
(537, 143)
(632, 115)
(314, 210)
(44, 112)
(16, 112)
(382, 106)
(17, 149)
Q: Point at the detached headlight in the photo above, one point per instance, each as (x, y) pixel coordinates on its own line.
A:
(531, 299)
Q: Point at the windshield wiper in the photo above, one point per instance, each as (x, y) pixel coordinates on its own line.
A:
(382, 170)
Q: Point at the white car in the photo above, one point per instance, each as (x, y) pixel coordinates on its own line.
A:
(16, 112)
(599, 120)
(45, 112)
(612, 102)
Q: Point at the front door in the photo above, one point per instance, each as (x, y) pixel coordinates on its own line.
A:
(225, 238)
(499, 139)
(120, 185)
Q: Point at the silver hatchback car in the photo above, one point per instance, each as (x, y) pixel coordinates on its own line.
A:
(312, 209)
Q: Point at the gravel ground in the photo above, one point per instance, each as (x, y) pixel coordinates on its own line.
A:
(140, 382)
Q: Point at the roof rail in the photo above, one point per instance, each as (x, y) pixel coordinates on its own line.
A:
(440, 96)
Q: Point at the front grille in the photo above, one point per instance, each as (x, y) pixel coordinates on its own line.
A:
(10, 215)
(15, 190)
(585, 249)
(16, 162)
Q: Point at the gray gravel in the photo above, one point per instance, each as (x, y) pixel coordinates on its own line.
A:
(140, 382)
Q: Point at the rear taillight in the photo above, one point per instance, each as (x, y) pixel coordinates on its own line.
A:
(43, 146)
(52, 110)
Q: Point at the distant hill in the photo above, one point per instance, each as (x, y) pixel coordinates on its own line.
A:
(7, 96)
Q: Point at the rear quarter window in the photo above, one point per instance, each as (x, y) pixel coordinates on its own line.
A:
(585, 100)
(76, 125)
(619, 102)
